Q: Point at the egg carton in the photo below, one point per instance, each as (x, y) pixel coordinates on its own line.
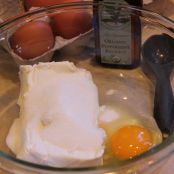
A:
(60, 43)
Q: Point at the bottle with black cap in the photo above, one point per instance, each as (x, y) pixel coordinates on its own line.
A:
(117, 34)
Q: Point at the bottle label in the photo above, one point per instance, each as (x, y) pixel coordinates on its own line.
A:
(115, 35)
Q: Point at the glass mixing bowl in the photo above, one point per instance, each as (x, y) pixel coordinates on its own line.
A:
(130, 88)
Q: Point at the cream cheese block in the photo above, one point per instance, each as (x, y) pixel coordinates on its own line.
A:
(58, 121)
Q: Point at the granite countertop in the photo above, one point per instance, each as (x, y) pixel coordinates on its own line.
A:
(9, 8)
(164, 7)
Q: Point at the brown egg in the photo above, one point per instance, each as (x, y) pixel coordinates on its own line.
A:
(71, 23)
(66, 24)
(32, 39)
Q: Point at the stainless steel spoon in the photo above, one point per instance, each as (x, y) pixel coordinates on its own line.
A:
(158, 53)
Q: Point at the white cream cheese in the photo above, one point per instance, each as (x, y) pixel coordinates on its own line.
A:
(58, 122)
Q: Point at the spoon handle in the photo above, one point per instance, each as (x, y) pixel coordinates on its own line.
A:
(164, 104)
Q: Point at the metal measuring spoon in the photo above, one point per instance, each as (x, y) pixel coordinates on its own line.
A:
(158, 53)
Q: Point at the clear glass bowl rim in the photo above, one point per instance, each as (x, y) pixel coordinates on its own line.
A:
(86, 4)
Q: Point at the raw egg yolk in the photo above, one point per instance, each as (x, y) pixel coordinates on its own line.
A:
(130, 141)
